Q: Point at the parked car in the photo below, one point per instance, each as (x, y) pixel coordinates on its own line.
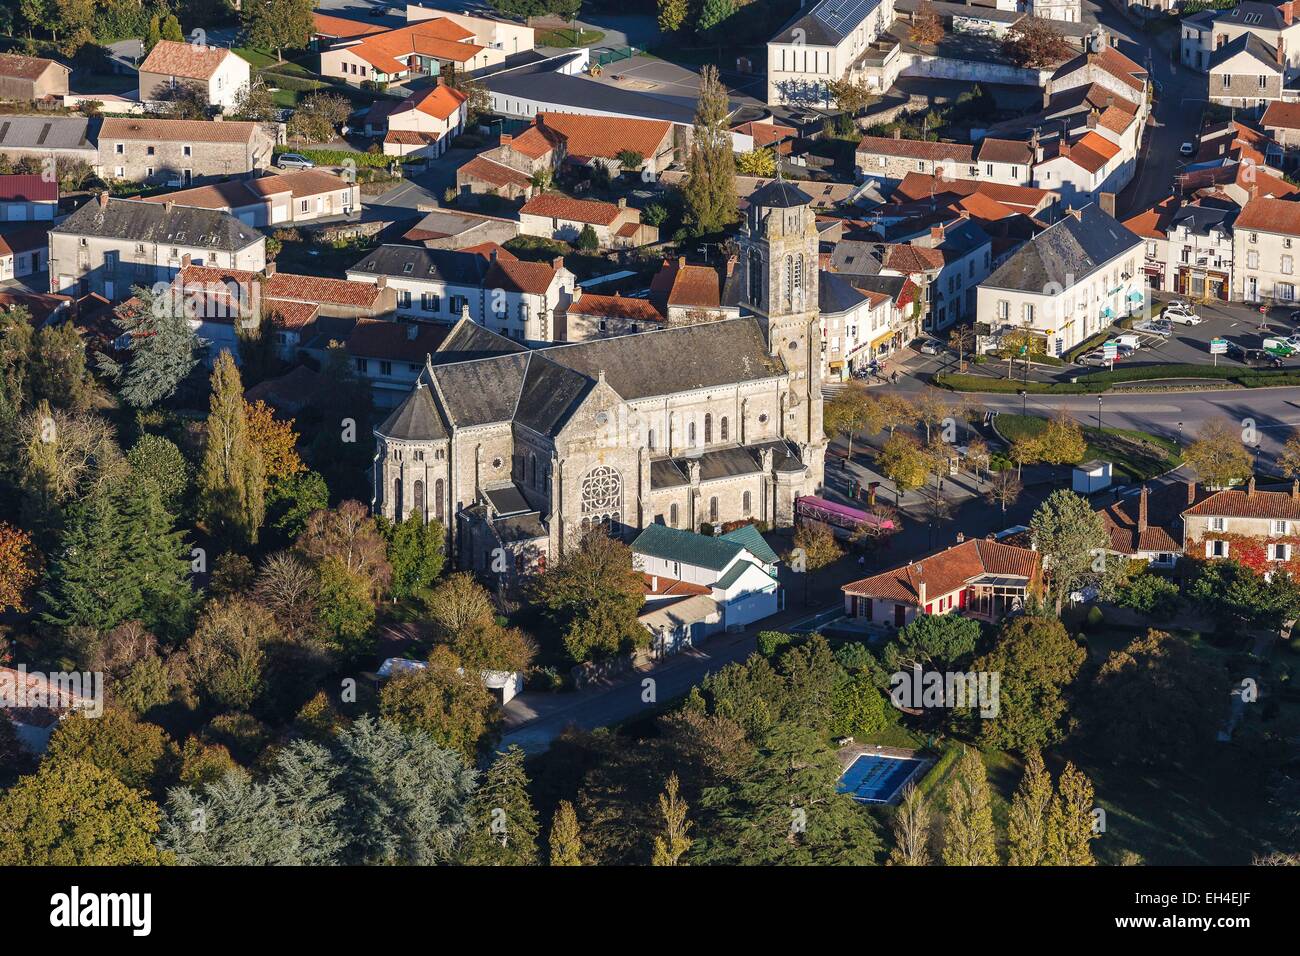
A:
(1132, 342)
(1256, 358)
(931, 347)
(1095, 358)
(1181, 313)
(294, 161)
(1155, 327)
(1124, 351)
(1187, 149)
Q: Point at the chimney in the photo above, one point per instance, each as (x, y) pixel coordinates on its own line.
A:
(185, 261)
(898, 134)
(1107, 203)
(506, 139)
(1092, 120)
(492, 254)
(1254, 190)
(622, 202)
(557, 263)
(1142, 509)
(1295, 490)
(103, 199)
(1250, 486)
(1065, 146)
(936, 234)
(441, 80)
(269, 270)
(961, 537)
(920, 591)
(654, 583)
(1288, 12)
(1191, 493)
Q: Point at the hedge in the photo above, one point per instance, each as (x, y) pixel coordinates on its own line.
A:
(1103, 381)
(982, 383)
(297, 84)
(337, 157)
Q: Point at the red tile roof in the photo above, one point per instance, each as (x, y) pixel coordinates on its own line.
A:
(948, 571)
(342, 28)
(440, 102)
(1281, 115)
(686, 285)
(23, 67)
(174, 58)
(494, 173)
(559, 206)
(516, 275)
(303, 182)
(439, 38)
(1153, 223)
(1163, 529)
(660, 586)
(287, 286)
(917, 149)
(1249, 504)
(1270, 215)
(615, 307)
(606, 136)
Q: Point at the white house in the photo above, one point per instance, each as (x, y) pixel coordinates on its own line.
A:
(823, 43)
(218, 74)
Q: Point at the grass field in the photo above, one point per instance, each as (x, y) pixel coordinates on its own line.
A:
(566, 37)
(1138, 455)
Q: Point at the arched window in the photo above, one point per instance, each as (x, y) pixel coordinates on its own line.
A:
(672, 516)
(756, 278)
(722, 428)
(437, 502)
(713, 509)
(417, 507)
(745, 503)
(690, 433)
(708, 428)
(602, 499)
(397, 499)
(650, 439)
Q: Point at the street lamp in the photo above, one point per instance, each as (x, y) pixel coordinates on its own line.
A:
(1024, 401)
(1180, 436)
(1098, 413)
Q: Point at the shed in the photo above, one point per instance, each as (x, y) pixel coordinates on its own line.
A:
(1091, 477)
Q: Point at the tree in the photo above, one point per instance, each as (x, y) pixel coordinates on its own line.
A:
(136, 753)
(1031, 808)
(962, 340)
(814, 548)
(64, 456)
(904, 462)
(759, 161)
(72, 813)
(848, 412)
(1034, 43)
(59, 368)
(968, 829)
(672, 845)
(406, 799)
(852, 96)
(1061, 441)
(277, 24)
(458, 604)
(911, 830)
(232, 477)
(18, 564)
(181, 100)
(595, 594)
(318, 116)
(672, 14)
(344, 603)
(858, 709)
(1072, 539)
(415, 552)
(291, 501)
(349, 534)
(1218, 455)
(157, 461)
(710, 190)
(1004, 489)
(926, 27)
(1156, 702)
(1070, 822)
(286, 586)
(444, 700)
(784, 810)
(1037, 660)
(224, 659)
(502, 825)
(1288, 459)
(161, 347)
(565, 841)
(712, 14)
(938, 639)
(275, 439)
(588, 241)
(1236, 595)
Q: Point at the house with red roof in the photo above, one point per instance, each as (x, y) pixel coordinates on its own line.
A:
(218, 74)
(557, 216)
(28, 197)
(419, 49)
(292, 197)
(978, 578)
(423, 124)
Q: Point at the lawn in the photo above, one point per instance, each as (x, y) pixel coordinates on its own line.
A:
(566, 37)
(1137, 455)
(258, 59)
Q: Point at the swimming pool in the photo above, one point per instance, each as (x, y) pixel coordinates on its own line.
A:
(876, 778)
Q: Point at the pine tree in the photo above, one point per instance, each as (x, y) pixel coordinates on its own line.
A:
(673, 844)
(502, 823)
(1030, 809)
(968, 830)
(162, 345)
(91, 583)
(565, 843)
(911, 830)
(159, 559)
(60, 367)
(1069, 826)
(710, 192)
(232, 478)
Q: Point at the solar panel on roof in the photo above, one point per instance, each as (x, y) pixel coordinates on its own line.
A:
(836, 15)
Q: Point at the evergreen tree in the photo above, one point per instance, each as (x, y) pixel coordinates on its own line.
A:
(1030, 809)
(161, 348)
(159, 560)
(60, 368)
(306, 785)
(415, 550)
(233, 821)
(565, 841)
(911, 830)
(672, 845)
(968, 831)
(89, 582)
(712, 14)
(710, 192)
(154, 459)
(502, 828)
(232, 478)
(1070, 823)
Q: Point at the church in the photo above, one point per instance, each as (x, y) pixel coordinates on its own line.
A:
(520, 451)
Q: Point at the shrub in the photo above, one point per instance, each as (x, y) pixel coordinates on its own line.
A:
(771, 643)
(1152, 595)
(337, 157)
(1095, 619)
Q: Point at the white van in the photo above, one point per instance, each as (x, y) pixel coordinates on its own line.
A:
(1132, 341)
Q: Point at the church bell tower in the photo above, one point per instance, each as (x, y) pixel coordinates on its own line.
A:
(778, 258)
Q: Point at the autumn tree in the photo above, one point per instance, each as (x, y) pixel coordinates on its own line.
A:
(224, 660)
(848, 412)
(814, 548)
(1070, 827)
(595, 594)
(710, 190)
(1031, 808)
(1061, 441)
(1004, 489)
(232, 477)
(911, 830)
(444, 700)
(318, 116)
(851, 95)
(673, 843)
(135, 752)
(18, 566)
(565, 842)
(926, 27)
(1219, 455)
(275, 439)
(349, 534)
(904, 462)
(968, 835)
(672, 14)
(1288, 459)
(1034, 43)
(1038, 661)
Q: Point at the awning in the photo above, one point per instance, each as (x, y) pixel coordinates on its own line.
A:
(1106, 313)
(836, 366)
(881, 338)
(1136, 297)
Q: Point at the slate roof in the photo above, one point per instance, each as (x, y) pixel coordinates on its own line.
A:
(138, 221)
(779, 194)
(1249, 43)
(53, 132)
(541, 84)
(727, 462)
(468, 341)
(446, 265)
(1064, 253)
(737, 569)
(416, 419)
(687, 547)
(836, 293)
